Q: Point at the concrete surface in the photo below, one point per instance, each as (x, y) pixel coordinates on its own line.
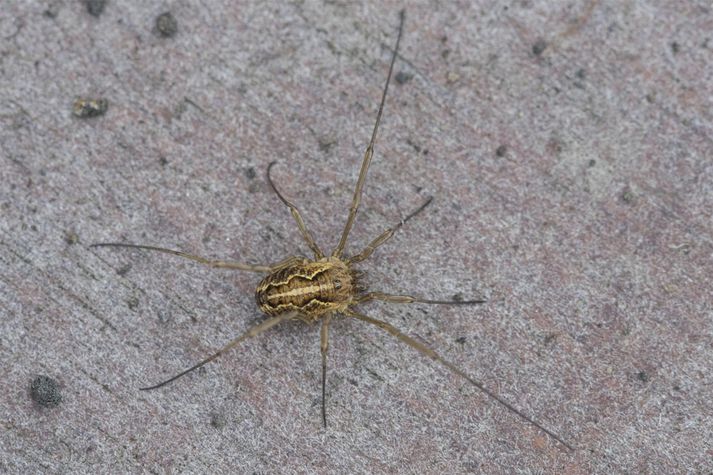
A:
(568, 147)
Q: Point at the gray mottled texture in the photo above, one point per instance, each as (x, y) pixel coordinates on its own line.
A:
(568, 147)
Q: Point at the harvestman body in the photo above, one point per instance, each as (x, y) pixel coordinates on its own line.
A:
(317, 289)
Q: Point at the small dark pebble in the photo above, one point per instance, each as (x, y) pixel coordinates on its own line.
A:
(501, 151)
(539, 47)
(643, 376)
(95, 7)
(85, 108)
(218, 420)
(122, 271)
(403, 77)
(166, 24)
(460, 340)
(71, 238)
(250, 173)
(627, 196)
(164, 316)
(163, 161)
(413, 144)
(51, 11)
(591, 163)
(45, 391)
(327, 143)
(675, 47)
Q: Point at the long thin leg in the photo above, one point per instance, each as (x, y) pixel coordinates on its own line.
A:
(425, 350)
(369, 151)
(209, 262)
(386, 235)
(393, 298)
(295, 214)
(286, 262)
(323, 347)
(252, 332)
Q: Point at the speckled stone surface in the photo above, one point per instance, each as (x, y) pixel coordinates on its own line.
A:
(568, 145)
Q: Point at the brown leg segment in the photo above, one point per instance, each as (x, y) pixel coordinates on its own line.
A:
(295, 214)
(410, 299)
(425, 350)
(252, 332)
(369, 151)
(386, 235)
(324, 346)
(209, 262)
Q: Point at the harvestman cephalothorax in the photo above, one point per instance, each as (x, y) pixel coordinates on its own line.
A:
(326, 286)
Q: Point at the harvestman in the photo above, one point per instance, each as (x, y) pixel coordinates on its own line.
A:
(318, 289)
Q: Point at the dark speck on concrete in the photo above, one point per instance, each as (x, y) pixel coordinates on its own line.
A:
(163, 161)
(643, 376)
(580, 76)
(550, 338)
(166, 24)
(415, 146)
(71, 238)
(627, 196)
(51, 11)
(85, 108)
(591, 163)
(164, 316)
(403, 77)
(501, 151)
(45, 391)
(460, 340)
(217, 420)
(675, 47)
(95, 7)
(133, 303)
(327, 143)
(446, 52)
(250, 173)
(123, 270)
(539, 47)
